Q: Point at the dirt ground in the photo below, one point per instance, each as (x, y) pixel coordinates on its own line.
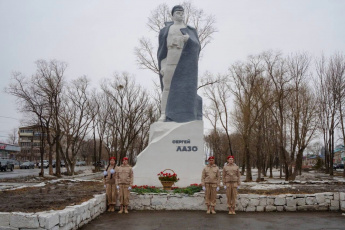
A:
(297, 189)
(27, 179)
(63, 193)
(52, 196)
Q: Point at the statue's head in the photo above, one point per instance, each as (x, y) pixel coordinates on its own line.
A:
(176, 8)
(177, 13)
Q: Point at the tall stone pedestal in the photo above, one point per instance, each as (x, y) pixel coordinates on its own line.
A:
(176, 146)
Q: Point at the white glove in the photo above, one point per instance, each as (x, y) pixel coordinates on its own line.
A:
(224, 186)
(105, 186)
(203, 188)
(112, 171)
(118, 187)
(217, 189)
(105, 173)
(129, 188)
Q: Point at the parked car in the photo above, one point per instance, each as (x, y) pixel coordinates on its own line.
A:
(80, 163)
(335, 166)
(62, 164)
(27, 165)
(340, 166)
(99, 164)
(6, 164)
(45, 164)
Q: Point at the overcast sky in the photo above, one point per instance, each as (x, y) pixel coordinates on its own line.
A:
(97, 37)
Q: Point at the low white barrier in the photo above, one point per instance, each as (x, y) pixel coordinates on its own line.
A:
(327, 201)
(73, 217)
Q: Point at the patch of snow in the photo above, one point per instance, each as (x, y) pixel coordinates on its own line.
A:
(268, 186)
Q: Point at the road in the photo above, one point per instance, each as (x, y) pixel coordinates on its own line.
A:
(191, 220)
(16, 173)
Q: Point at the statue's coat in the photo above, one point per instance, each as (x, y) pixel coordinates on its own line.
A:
(184, 104)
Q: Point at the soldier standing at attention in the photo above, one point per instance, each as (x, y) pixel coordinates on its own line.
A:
(124, 182)
(110, 184)
(231, 181)
(210, 181)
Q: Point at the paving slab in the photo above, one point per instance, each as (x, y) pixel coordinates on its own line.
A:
(191, 220)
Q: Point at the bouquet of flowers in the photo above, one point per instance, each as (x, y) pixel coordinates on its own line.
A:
(162, 176)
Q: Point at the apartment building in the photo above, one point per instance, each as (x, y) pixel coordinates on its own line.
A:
(29, 142)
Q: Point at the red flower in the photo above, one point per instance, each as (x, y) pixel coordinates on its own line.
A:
(167, 176)
(194, 185)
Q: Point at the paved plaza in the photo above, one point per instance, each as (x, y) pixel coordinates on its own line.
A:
(191, 220)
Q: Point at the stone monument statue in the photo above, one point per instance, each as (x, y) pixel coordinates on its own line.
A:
(179, 132)
(178, 56)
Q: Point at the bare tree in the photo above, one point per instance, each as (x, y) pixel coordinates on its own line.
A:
(38, 95)
(275, 112)
(302, 110)
(261, 129)
(13, 136)
(217, 145)
(158, 17)
(75, 121)
(322, 98)
(337, 72)
(94, 108)
(219, 98)
(50, 81)
(270, 140)
(146, 55)
(102, 118)
(249, 89)
(25, 90)
(129, 113)
(276, 70)
(305, 123)
(328, 86)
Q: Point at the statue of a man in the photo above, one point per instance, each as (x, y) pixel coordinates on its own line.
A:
(178, 56)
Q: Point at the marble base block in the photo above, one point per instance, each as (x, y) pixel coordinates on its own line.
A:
(176, 146)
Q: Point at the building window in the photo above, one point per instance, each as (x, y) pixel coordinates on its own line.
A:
(26, 131)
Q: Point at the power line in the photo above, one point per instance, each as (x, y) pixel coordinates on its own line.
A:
(10, 118)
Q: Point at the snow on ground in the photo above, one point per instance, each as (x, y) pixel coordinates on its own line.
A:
(85, 175)
(307, 178)
(268, 186)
